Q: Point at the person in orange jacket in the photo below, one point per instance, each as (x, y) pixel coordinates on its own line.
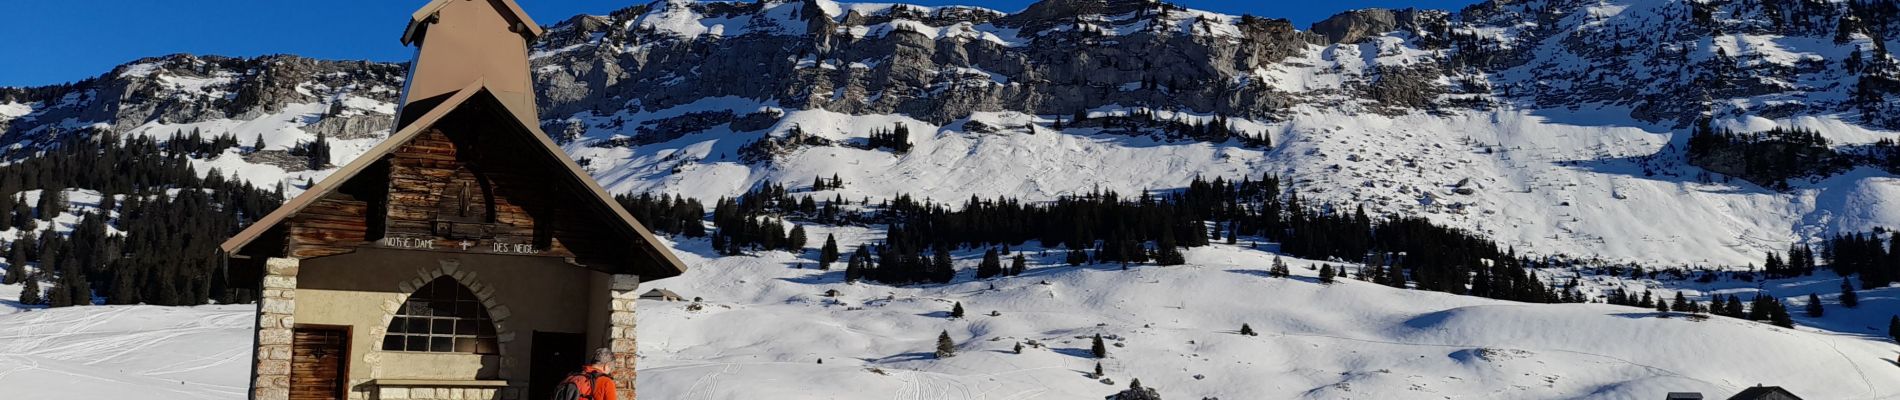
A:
(603, 372)
(595, 381)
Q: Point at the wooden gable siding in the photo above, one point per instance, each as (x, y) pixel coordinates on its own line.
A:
(420, 175)
(398, 201)
(336, 224)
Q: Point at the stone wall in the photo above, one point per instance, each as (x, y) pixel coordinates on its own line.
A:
(270, 378)
(621, 332)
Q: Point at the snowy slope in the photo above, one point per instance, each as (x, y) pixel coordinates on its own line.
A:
(764, 325)
(1546, 182)
(134, 352)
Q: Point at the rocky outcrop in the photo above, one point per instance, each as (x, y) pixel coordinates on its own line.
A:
(185, 89)
(1354, 26)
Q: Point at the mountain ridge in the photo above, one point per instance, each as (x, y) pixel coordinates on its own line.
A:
(665, 96)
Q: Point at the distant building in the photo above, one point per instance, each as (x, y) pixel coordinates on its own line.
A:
(465, 257)
(661, 294)
(1765, 393)
(1683, 396)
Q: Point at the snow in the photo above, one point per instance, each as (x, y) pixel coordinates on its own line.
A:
(140, 70)
(141, 352)
(12, 110)
(1581, 183)
(679, 18)
(946, 164)
(1171, 327)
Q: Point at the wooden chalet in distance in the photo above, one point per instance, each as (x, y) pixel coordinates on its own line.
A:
(466, 257)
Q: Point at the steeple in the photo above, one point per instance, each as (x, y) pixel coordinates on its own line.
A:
(461, 42)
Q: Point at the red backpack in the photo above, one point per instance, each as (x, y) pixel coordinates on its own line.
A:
(578, 386)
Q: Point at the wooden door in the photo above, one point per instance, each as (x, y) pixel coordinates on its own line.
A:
(318, 361)
(555, 355)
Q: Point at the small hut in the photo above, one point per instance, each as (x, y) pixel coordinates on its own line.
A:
(1764, 393)
(661, 294)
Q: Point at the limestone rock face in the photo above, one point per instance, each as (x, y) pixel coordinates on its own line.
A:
(1354, 26)
(1055, 57)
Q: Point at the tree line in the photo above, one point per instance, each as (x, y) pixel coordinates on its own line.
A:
(172, 221)
(1863, 254)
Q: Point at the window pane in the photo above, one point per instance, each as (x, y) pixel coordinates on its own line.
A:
(418, 325)
(486, 346)
(398, 325)
(442, 344)
(418, 343)
(466, 327)
(443, 326)
(392, 342)
(465, 345)
(484, 328)
(417, 307)
(466, 309)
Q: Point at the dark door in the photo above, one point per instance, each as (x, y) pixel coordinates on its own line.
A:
(317, 363)
(556, 354)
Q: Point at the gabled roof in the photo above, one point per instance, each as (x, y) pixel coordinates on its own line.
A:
(669, 264)
(1764, 393)
(418, 22)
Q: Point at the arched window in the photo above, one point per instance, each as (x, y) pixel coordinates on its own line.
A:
(442, 317)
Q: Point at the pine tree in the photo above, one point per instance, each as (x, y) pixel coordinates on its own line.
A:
(1778, 314)
(942, 268)
(1662, 307)
(1893, 328)
(1326, 274)
(74, 280)
(1849, 298)
(956, 311)
(30, 291)
(1814, 306)
(61, 296)
(1019, 347)
(1099, 349)
(796, 242)
(1017, 265)
(828, 254)
(258, 144)
(1758, 309)
(1247, 330)
(1681, 303)
(1076, 256)
(991, 265)
(1098, 369)
(945, 347)
(318, 152)
(1278, 270)
(16, 271)
(52, 202)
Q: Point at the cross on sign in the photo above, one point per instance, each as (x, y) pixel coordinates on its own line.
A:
(465, 244)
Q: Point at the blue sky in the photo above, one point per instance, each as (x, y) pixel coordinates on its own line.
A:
(53, 41)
